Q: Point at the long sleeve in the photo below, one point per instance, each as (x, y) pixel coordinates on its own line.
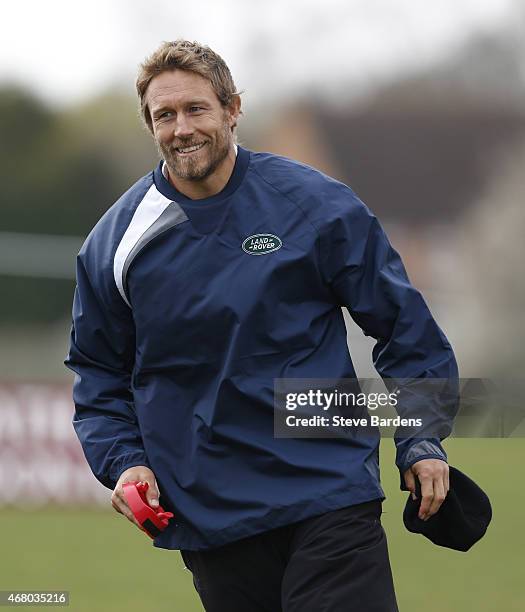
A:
(367, 276)
(101, 353)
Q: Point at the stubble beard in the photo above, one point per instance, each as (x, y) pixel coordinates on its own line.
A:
(197, 167)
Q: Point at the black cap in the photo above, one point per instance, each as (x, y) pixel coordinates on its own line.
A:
(461, 520)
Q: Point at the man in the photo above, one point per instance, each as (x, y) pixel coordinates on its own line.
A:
(181, 323)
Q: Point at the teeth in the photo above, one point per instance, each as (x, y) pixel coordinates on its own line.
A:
(191, 149)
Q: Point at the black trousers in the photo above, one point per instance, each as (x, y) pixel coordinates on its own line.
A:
(335, 562)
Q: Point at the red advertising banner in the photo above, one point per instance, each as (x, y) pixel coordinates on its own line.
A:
(41, 460)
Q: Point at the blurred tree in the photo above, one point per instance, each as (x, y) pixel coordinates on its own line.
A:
(59, 173)
(53, 182)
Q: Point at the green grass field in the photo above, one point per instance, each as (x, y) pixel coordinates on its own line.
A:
(108, 565)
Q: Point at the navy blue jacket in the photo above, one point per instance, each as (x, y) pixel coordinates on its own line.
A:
(178, 333)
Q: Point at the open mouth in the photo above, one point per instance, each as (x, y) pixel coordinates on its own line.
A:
(189, 150)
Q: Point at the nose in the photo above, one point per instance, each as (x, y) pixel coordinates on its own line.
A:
(183, 127)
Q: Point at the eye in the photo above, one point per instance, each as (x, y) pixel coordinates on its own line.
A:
(165, 115)
(195, 109)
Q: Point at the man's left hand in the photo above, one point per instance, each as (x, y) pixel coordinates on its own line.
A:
(433, 477)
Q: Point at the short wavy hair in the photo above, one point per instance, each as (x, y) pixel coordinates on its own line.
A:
(190, 56)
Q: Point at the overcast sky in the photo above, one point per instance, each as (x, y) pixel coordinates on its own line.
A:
(68, 50)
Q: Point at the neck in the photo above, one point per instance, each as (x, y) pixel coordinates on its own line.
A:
(209, 186)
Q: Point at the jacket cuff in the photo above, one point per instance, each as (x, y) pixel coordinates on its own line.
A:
(125, 462)
(417, 451)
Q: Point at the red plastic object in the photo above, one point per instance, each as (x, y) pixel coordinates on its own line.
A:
(152, 520)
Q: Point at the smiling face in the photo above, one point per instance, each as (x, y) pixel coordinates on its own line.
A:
(192, 129)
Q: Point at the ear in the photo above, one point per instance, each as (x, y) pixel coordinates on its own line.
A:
(234, 110)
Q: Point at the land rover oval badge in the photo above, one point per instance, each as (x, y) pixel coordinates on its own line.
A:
(261, 244)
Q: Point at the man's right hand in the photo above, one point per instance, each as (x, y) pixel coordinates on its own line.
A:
(139, 473)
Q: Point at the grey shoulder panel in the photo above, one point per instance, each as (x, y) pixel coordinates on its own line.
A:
(154, 215)
(172, 216)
